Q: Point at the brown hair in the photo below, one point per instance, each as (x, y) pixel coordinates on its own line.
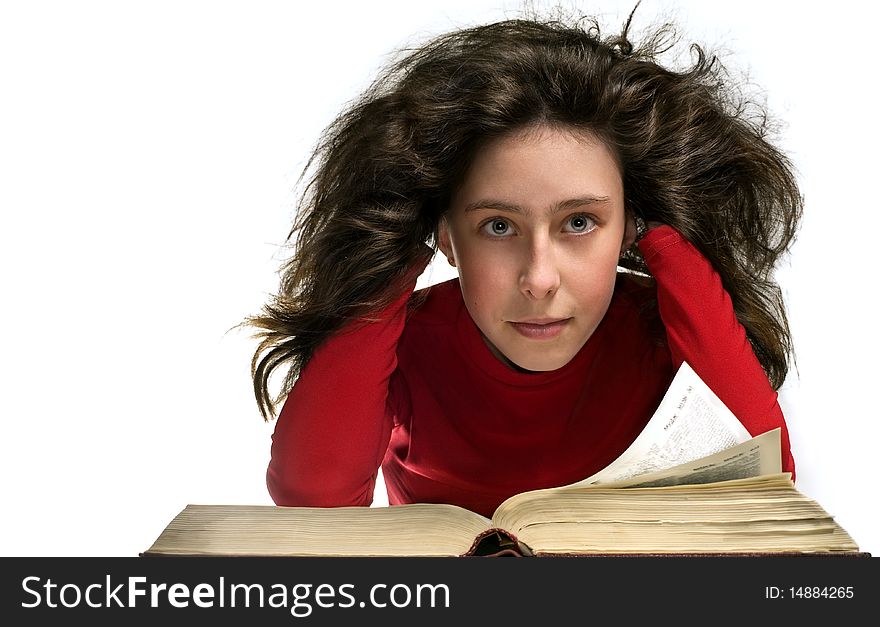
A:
(693, 156)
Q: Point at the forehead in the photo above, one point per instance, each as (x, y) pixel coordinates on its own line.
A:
(540, 167)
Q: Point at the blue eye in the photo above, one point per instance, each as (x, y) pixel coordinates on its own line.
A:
(496, 227)
(581, 223)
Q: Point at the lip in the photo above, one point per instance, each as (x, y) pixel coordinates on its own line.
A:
(540, 328)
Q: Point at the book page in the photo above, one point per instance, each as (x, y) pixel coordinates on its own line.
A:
(752, 515)
(423, 529)
(754, 461)
(691, 422)
(758, 456)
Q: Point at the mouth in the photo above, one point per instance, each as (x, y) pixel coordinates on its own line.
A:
(540, 328)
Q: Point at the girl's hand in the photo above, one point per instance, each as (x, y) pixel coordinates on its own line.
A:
(636, 228)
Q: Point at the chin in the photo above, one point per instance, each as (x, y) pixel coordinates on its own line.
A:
(541, 363)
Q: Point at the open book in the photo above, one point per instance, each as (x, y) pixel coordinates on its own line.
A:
(693, 482)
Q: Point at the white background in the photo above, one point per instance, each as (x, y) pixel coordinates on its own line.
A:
(149, 153)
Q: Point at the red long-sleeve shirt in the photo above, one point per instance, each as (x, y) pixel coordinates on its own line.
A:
(423, 396)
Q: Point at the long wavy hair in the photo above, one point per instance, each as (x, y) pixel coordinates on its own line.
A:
(693, 151)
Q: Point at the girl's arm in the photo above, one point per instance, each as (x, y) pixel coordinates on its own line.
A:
(331, 434)
(702, 329)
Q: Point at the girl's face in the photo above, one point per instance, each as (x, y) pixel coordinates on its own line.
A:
(536, 231)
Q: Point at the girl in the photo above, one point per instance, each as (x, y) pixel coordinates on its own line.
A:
(609, 218)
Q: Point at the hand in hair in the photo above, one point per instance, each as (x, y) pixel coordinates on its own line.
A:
(636, 228)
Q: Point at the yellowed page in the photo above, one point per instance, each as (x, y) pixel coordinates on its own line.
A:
(761, 455)
(265, 530)
(691, 422)
(756, 514)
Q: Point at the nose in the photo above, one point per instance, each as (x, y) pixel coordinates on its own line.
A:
(540, 277)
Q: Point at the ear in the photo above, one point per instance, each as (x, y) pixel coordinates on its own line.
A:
(444, 243)
(629, 233)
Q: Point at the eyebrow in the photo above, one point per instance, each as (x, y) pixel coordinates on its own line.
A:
(571, 203)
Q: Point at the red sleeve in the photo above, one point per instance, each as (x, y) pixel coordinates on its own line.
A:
(703, 330)
(331, 434)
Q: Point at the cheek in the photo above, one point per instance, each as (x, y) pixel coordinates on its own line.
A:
(592, 281)
(479, 263)
(481, 285)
